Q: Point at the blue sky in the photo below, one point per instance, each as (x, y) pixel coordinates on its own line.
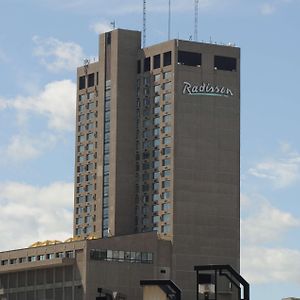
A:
(41, 44)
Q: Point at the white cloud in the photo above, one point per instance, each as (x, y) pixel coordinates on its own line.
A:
(266, 223)
(57, 55)
(283, 171)
(276, 265)
(56, 101)
(267, 8)
(44, 212)
(100, 27)
(22, 147)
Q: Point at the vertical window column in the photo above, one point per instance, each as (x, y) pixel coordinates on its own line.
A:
(106, 156)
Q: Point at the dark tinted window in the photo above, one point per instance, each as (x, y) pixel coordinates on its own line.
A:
(81, 82)
(147, 64)
(138, 66)
(225, 63)
(91, 80)
(108, 38)
(97, 80)
(167, 58)
(189, 58)
(156, 61)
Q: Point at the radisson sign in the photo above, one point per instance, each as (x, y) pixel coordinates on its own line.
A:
(205, 89)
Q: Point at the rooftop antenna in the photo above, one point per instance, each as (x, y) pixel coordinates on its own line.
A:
(169, 21)
(196, 20)
(113, 24)
(144, 23)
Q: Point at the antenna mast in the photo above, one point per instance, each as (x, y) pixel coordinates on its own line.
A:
(196, 20)
(169, 22)
(144, 23)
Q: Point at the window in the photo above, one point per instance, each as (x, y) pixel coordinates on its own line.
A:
(145, 166)
(147, 64)
(166, 151)
(167, 129)
(89, 177)
(81, 118)
(156, 131)
(189, 58)
(166, 162)
(81, 138)
(166, 140)
(107, 116)
(147, 134)
(157, 89)
(91, 80)
(146, 155)
(156, 142)
(91, 105)
(155, 186)
(90, 116)
(167, 58)
(167, 75)
(89, 198)
(167, 108)
(156, 110)
(90, 167)
(166, 184)
(80, 189)
(90, 156)
(82, 82)
(167, 86)
(147, 123)
(167, 97)
(138, 66)
(166, 195)
(155, 208)
(80, 169)
(155, 219)
(146, 101)
(156, 153)
(80, 199)
(165, 217)
(80, 179)
(82, 97)
(156, 121)
(165, 228)
(146, 145)
(156, 175)
(90, 146)
(167, 118)
(157, 77)
(90, 136)
(225, 63)
(106, 179)
(155, 164)
(81, 128)
(156, 99)
(166, 206)
(80, 148)
(91, 95)
(81, 107)
(81, 159)
(90, 126)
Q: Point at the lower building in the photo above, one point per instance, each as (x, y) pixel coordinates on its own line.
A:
(76, 270)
